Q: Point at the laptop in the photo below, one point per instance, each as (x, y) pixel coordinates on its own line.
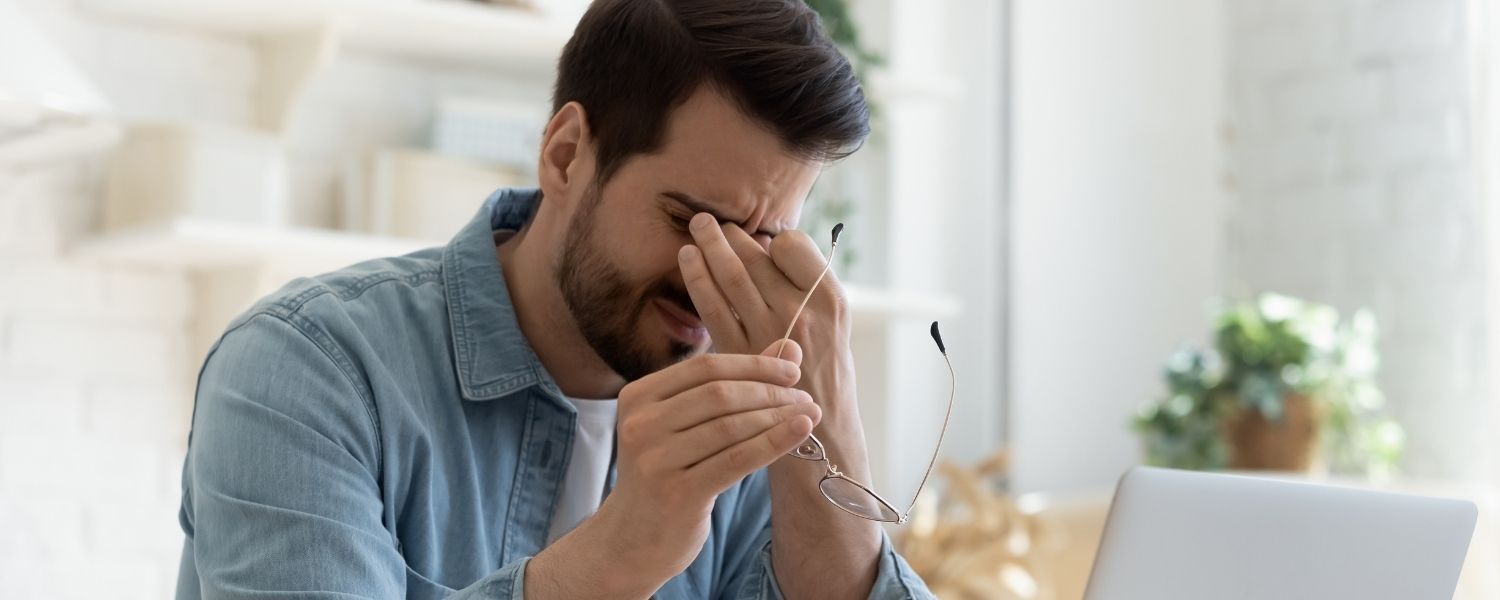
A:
(1181, 535)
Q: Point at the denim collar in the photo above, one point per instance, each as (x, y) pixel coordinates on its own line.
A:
(490, 353)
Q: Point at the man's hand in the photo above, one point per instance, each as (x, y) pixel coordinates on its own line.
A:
(686, 433)
(747, 295)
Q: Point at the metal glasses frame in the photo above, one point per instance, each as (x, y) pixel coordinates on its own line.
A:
(813, 449)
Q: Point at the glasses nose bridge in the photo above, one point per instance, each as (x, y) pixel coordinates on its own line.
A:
(811, 449)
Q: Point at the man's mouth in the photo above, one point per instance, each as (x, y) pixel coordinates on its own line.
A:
(682, 323)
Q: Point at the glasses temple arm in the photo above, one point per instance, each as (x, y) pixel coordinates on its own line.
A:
(786, 336)
(944, 432)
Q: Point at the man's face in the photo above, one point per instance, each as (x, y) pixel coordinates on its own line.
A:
(618, 267)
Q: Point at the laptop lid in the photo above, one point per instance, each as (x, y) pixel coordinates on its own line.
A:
(1181, 535)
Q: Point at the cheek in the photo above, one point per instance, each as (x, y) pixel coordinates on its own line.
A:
(644, 260)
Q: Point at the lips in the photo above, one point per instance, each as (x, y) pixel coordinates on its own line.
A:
(683, 317)
(682, 325)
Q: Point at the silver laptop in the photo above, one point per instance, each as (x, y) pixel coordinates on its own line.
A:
(1180, 535)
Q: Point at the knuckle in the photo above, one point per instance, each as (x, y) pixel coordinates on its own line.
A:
(738, 279)
(775, 395)
(631, 429)
(629, 393)
(726, 427)
(716, 390)
(738, 457)
(724, 367)
(755, 259)
(712, 365)
(838, 297)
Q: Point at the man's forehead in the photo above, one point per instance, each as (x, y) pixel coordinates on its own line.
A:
(717, 160)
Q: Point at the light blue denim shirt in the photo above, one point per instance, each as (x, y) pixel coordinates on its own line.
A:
(385, 431)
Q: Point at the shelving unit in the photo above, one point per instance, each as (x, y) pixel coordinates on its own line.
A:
(446, 30)
(300, 38)
(188, 243)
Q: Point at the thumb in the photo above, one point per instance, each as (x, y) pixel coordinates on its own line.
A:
(786, 348)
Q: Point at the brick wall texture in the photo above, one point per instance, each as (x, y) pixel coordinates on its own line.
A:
(1352, 150)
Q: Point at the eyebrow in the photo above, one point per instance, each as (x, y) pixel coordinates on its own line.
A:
(699, 206)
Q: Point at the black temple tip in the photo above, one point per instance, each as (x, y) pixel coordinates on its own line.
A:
(938, 337)
(837, 229)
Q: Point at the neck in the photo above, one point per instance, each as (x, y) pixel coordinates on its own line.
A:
(548, 326)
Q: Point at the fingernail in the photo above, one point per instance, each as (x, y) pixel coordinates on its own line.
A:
(688, 253)
(701, 221)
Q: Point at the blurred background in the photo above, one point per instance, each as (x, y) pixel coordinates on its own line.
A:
(1213, 234)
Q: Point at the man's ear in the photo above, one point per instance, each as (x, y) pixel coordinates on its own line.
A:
(566, 161)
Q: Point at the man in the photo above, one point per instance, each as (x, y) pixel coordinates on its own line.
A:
(531, 411)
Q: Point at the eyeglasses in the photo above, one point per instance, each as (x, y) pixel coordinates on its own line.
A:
(844, 492)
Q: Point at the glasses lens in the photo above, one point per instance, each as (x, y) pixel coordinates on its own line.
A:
(858, 501)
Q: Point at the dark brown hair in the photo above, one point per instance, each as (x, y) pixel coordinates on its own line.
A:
(630, 62)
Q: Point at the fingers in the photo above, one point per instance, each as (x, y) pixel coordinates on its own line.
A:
(727, 269)
(724, 327)
(731, 464)
(708, 439)
(785, 349)
(720, 398)
(757, 260)
(799, 258)
(699, 370)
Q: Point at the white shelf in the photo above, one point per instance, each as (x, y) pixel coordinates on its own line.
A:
(207, 244)
(460, 31)
(449, 30)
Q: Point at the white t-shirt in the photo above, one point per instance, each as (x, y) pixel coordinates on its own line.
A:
(588, 467)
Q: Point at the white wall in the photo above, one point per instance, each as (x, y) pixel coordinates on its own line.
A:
(1488, 120)
(1353, 158)
(1116, 205)
(972, 234)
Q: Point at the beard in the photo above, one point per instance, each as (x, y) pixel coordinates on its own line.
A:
(607, 308)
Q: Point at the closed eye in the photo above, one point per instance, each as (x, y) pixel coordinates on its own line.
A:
(681, 222)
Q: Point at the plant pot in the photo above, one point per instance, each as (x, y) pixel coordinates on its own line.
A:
(1291, 443)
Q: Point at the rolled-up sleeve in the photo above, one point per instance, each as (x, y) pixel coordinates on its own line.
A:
(281, 488)
(748, 569)
(894, 579)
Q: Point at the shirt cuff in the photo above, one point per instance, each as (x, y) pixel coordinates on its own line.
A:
(894, 578)
(508, 583)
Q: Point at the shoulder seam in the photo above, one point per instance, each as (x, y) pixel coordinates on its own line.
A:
(341, 362)
(356, 289)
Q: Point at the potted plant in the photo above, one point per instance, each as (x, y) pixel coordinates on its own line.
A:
(1287, 387)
